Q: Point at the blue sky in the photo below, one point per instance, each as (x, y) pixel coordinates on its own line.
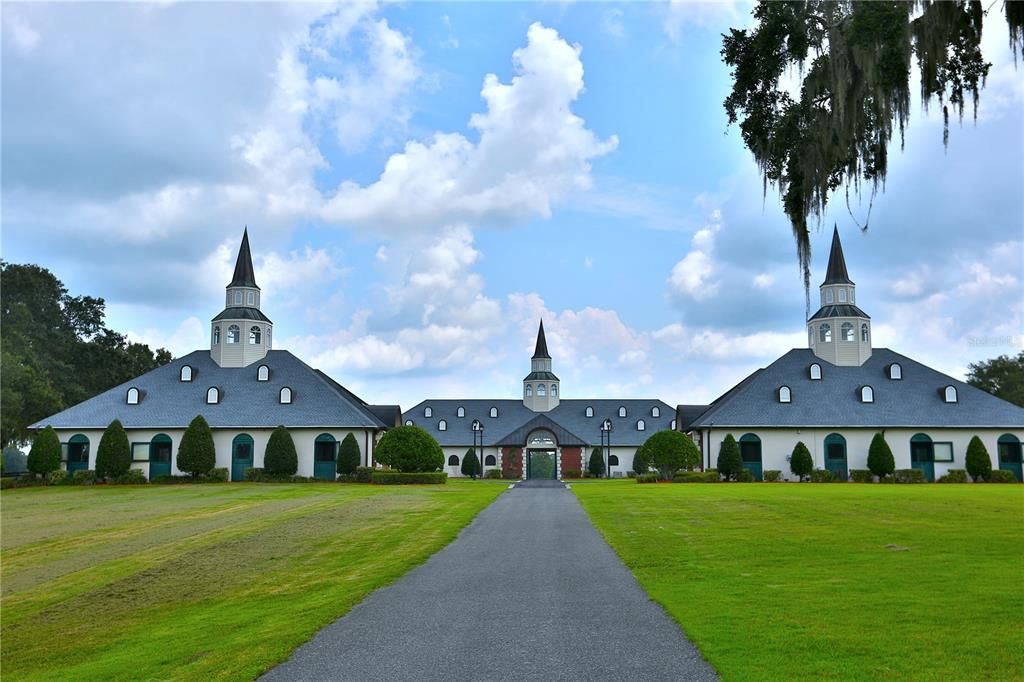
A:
(423, 181)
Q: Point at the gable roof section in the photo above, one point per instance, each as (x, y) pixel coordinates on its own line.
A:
(541, 421)
(834, 401)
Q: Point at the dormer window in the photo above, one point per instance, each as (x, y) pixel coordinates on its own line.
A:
(428, 411)
(655, 411)
(494, 413)
(554, 390)
(785, 395)
(408, 422)
(590, 411)
(949, 394)
(895, 371)
(640, 425)
(461, 412)
(622, 411)
(286, 396)
(442, 425)
(255, 336)
(212, 395)
(673, 425)
(867, 394)
(263, 373)
(815, 372)
(185, 374)
(133, 396)
(825, 333)
(847, 331)
(828, 296)
(234, 334)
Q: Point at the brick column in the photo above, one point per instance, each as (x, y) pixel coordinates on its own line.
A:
(572, 459)
(511, 462)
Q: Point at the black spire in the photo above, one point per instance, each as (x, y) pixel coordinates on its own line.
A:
(244, 275)
(836, 273)
(542, 345)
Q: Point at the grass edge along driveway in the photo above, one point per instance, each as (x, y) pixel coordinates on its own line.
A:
(223, 582)
(840, 581)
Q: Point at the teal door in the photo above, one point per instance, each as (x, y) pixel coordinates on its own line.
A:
(750, 451)
(540, 464)
(1010, 456)
(835, 456)
(325, 465)
(159, 456)
(241, 456)
(922, 456)
(78, 454)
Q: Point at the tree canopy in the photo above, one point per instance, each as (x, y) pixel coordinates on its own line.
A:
(409, 449)
(1003, 377)
(56, 350)
(669, 451)
(854, 59)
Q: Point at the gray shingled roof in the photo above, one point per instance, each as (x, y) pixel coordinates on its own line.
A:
(168, 402)
(570, 415)
(242, 313)
(840, 310)
(834, 401)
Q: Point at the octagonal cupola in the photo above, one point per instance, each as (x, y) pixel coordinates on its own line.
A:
(240, 334)
(839, 332)
(541, 388)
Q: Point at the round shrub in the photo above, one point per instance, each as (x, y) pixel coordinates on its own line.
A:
(410, 449)
(669, 451)
(800, 462)
(196, 452)
(44, 456)
(880, 459)
(978, 462)
(730, 463)
(349, 456)
(280, 458)
(114, 455)
(57, 477)
(596, 464)
(470, 464)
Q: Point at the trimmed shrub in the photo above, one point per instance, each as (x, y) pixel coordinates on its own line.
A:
(880, 459)
(669, 451)
(280, 457)
(493, 474)
(44, 456)
(745, 476)
(349, 455)
(821, 476)
(630, 474)
(196, 451)
(571, 473)
(729, 461)
(595, 467)
(57, 477)
(695, 477)
(470, 464)
(772, 476)
(409, 477)
(1002, 476)
(954, 476)
(218, 475)
(84, 477)
(364, 474)
(114, 454)
(800, 461)
(131, 477)
(861, 475)
(978, 462)
(647, 478)
(410, 449)
(640, 464)
(253, 474)
(908, 476)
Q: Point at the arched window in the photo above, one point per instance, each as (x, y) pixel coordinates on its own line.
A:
(133, 396)
(590, 411)
(785, 395)
(268, 338)
(238, 298)
(263, 373)
(541, 390)
(867, 394)
(815, 372)
(286, 396)
(554, 390)
(613, 460)
(489, 461)
(442, 425)
(251, 298)
(895, 371)
(673, 425)
(847, 331)
(949, 394)
(216, 336)
(212, 395)
(825, 333)
(810, 336)
(640, 425)
(408, 422)
(255, 336)
(529, 390)
(829, 296)
(842, 295)
(461, 412)
(453, 460)
(655, 411)
(428, 411)
(494, 413)
(186, 373)
(622, 411)
(864, 332)
(234, 334)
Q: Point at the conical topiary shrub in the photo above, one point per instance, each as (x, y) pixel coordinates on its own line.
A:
(978, 463)
(44, 456)
(729, 460)
(196, 452)
(114, 454)
(800, 462)
(280, 458)
(880, 459)
(596, 464)
(349, 455)
(470, 464)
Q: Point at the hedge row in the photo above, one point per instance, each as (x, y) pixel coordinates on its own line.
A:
(411, 477)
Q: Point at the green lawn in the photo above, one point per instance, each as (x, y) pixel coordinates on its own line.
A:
(203, 581)
(809, 581)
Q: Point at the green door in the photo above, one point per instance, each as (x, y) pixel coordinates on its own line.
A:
(1010, 456)
(835, 456)
(540, 464)
(159, 456)
(241, 456)
(750, 451)
(325, 465)
(922, 455)
(78, 454)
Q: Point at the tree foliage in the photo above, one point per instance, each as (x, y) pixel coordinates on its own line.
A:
(596, 464)
(855, 59)
(1003, 377)
(410, 449)
(196, 451)
(729, 459)
(640, 464)
(56, 350)
(114, 454)
(800, 461)
(280, 457)
(669, 451)
(880, 459)
(978, 462)
(44, 456)
(349, 455)
(470, 464)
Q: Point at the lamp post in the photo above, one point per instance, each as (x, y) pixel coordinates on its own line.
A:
(606, 445)
(478, 429)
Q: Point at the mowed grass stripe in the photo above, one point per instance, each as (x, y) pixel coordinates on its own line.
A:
(829, 581)
(230, 604)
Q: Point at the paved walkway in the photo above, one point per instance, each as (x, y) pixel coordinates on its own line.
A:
(528, 591)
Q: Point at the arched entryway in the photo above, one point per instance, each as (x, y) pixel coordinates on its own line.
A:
(1010, 455)
(78, 453)
(922, 455)
(325, 453)
(241, 456)
(750, 451)
(541, 455)
(835, 456)
(160, 456)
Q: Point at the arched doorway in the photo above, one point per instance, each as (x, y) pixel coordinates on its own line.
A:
(922, 455)
(750, 452)
(1009, 455)
(835, 456)
(541, 455)
(241, 456)
(78, 453)
(160, 456)
(325, 452)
